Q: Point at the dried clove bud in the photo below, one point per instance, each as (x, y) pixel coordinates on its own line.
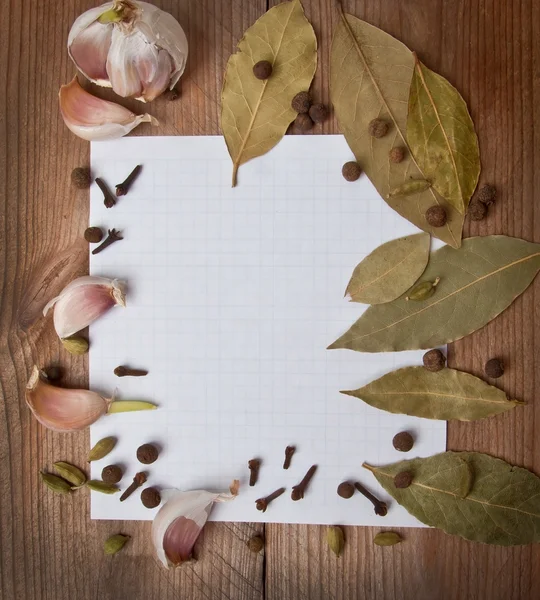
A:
(403, 441)
(494, 368)
(345, 489)
(147, 454)
(254, 465)
(289, 451)
(299, 490)
(262, 69)
(93, 235)
(138, 480)
(434, 360)
(114, 236)
(262, 503)
(379, 507)
(123, 188)
(108, 199)
(81, 177)
(123, 371)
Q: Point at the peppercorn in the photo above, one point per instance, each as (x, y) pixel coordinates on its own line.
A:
(436, 216)
(494, 368)
(477, 210)
(318, 112)
(403, 441)
(434, 360)
(150, 497)
(303, 122)
(487, 194)
(397, 154)
(81, 177)
(345, 489)
(262, 69)
(111, 474)
(93, 235)
(54, 373)
(301, 102)
(351, 170)
(147, 454)
(256, 543)
(403, 480)
(378, 128)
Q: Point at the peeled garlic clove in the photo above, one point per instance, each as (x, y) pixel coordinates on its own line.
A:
(180, 521)
(82, 302)
(92, 118)
(89, 50)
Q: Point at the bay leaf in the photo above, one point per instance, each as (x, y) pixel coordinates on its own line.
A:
(390, 270)
(502, 506)
(255, 113)
(445, 395)
(370, 78)
(441, 136)
(477, 282)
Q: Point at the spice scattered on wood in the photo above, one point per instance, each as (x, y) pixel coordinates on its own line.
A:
(380, 507)
(255, 543)
(147, 454)
(303, 122)
(70, 473)
(138, 480)
(111, 474)
(254, 465)
(93, 235)
(75, 344)
(335, 539)
(301, 102)
(494, 368)
(262, 503)
(351, 170)
(108, 199)
(487, 194)
(289, 451)
(318, 112)
(262, 69)
(81, 177)
(387, 538)
(114, 236)
(436, 216)
(122, 371)
(403, 479)
(403, 441)
(150, 497)
(299, 490)
(477, 210)
(123, 188)
(378, 128)
(115, 543)
(434, 360)
(55, 483)
(345, 489)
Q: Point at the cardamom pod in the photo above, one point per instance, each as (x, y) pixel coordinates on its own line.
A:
(55, 483)
(115, 543)
(335, 539)
(100, 486)
(413, 186)
(423, 291)
(387, 538)
(102, 448)
(75, 344)
(466, 479)
(70, 473)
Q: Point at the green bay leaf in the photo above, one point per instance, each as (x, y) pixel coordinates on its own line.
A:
(390, 270)
(255, 114)
(441, 136)
(477, 282)
(447, 394)
(502, 506)
(370, 78)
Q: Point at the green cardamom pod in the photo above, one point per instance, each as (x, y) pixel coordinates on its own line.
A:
(102, 448)
(55, 483)
(70, 473)
(413, 186)
(335, 539)
(115, 543)
(75, 344)
(100, 486)
(387, 538)
(423, 291)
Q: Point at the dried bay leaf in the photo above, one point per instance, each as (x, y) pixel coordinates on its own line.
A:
(447, 394)
(477, 282)
(390, 270)
(370, 78)
(441, 136)
(502, 506)
(255, 113)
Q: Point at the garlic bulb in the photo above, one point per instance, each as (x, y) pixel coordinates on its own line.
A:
(94, 119)
(83, 301)
(180, 520)
(133, 47)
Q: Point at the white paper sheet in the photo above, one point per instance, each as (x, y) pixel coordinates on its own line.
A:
(233, 296)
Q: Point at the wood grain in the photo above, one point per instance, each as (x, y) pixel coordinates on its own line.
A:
(49, 547)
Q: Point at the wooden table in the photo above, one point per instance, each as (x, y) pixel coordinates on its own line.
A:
(49, 547)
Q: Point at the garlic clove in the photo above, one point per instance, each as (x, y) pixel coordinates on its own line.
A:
(125, 52)
(155, 81)
(89, 50)
(83, 301)
(92, 118)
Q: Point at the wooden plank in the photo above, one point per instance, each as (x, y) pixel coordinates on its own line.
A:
(490, 50)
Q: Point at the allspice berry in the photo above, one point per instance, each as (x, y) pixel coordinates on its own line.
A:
(147, 454)
(256, 543)
(111, 474)
(436, 216)
(81, 177)
(487, 194)
(494, 368)
(262, 69)
(318, 113)
(397, 154)
(351, 170)
(303, 122)
(477, 210)
(345, 489)
(403, 441)
(403, 480)
(434, 360)
(150, 497)
(93, 235)
(378, 128)
(301, 102)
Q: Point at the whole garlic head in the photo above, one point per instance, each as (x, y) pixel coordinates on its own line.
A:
(134, 47)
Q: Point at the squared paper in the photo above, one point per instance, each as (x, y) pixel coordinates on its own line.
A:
(233, 295)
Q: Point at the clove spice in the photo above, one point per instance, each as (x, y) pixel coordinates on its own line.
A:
(138, 480)
(299, 490)
(262, 503)
(380, 507)
(114, 236)
(289, 451)
(254, 465)
(108, 199)
(123, 188)
(123, 371)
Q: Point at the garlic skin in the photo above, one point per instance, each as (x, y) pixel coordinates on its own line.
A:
(94, 119)
(83, 301)
(134, 47)
(180, 521)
